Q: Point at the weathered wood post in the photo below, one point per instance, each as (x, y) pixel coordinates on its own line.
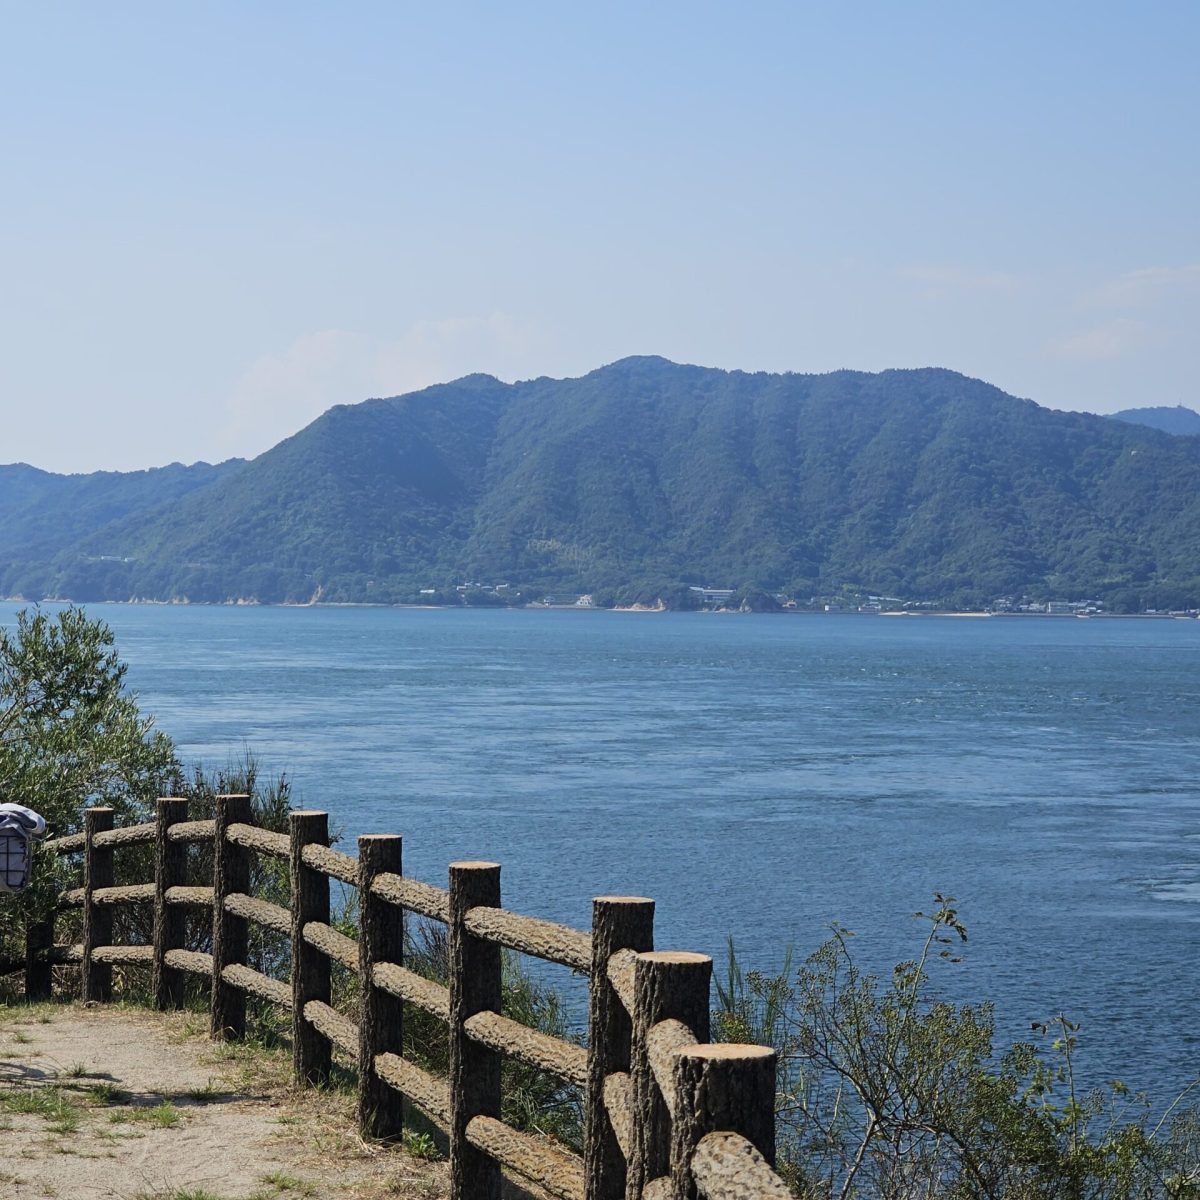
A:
(39, 941)
(668, 985)
(380, 1022)
(474, 1069)
(725, 1088)
(170, 920)
(311, 1054)
(618, 923)
(97, 918)
(231, 873)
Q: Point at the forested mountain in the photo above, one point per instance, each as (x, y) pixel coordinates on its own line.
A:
(44, 513)
(644, 476)
(1178, 420)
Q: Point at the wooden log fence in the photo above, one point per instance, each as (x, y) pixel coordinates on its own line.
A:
(666, 1114)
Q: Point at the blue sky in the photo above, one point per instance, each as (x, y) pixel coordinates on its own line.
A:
(219, 219)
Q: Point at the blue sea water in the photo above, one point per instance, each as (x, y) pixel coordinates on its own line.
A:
(760, 777)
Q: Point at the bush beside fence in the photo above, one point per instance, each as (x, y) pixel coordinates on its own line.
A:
(666, 1114)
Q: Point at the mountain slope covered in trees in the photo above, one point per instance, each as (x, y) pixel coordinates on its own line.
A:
(1176, 419)
(645, 476)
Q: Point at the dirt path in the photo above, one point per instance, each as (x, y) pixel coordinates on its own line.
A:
(125, 1104)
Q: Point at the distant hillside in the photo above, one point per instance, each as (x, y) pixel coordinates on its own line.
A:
(644, 476)
(1175, 420)
(43, 513)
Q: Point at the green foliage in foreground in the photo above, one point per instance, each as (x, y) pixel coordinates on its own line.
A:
(71, 736)
(886, 1091)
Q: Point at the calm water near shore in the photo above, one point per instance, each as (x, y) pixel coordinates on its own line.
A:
(759, 776)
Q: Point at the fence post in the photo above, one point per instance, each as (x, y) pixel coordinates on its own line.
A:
(170, 920)
(231, 873)
(667, 984)
(618, 923)
(97, 918)
(380, 1022)
(39, 941)
(721, 1088)
(474, 1069)
(311, 1055)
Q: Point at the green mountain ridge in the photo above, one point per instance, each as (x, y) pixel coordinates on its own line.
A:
(1174, 419)
(644, 476)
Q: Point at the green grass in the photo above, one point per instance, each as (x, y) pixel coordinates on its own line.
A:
(46, 1102)
(164, 1116)
(106, 1093)
(280, 1182)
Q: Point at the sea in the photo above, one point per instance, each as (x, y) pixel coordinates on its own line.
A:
(761, 777)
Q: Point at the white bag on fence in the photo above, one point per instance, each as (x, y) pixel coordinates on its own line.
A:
(18, 827)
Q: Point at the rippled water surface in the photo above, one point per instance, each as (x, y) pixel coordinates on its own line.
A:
(759, 776)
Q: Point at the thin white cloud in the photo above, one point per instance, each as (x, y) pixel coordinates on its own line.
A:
(945, 280)
(1143, 286)
(281, 392)
(1112, 339)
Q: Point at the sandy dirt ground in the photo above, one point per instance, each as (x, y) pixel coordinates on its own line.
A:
(100, 1103)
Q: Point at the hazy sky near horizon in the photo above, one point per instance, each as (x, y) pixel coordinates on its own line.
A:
(219, 218)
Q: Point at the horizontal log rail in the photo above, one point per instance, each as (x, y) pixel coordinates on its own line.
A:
(331, 862)
(193, 831)
(262, 912)
(258, 984)
(340, 1030)
(416, 989)
(531, 935)
(552, 1168)
(264, 841)
(330, 942)
(137, 893)
(668, 1116)
(195, 961)
(422, 898)
(531, 1047)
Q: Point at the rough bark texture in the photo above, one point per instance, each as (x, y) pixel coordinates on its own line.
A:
(726, 1166)
(170, 921)
(333, 944)
(195, 897)
(531, 935)
(310, 968)
(618, 923)
(419, 897)
(231, 874)
(540, 1050)
(193, 961)
(247, 979)
(333, 862)
(127, 835)
(618, 1106)
(558, 1171)
(721, 1089)
(423, 1089)
(474, 1069)
(340, 1030)
(263, 912)
(381, 1016)
(128, 955)
(407, 985)
(97, 919)
(133, 893)
(667, 985)
(193, 831)
(261, 841)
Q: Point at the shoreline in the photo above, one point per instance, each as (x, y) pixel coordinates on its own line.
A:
(924, 614)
